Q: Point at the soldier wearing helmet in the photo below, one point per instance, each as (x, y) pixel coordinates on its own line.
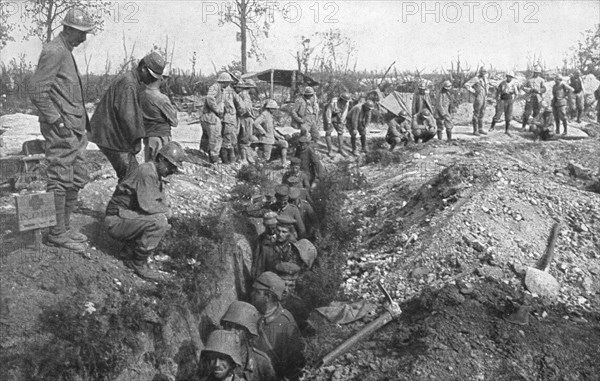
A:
(506, 93)
(279, 335)
(560, 93)
(57, 94)
(423, 126)
(245, 115)
(305, 114)
(309, 160)
(542, 124)
(334, 117)
(534, 88)
(117, 126)
(421, 99)
(442, 115)
(358, 119)
(282, 207)
(242, 318)
(232, 104)
(577, 96)
(268, 136)
(398, 129)
(222, 357)
(137, 212)
(290, 273)
(212, 115)
(479, 86)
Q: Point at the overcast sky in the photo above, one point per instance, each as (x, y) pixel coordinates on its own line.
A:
(416, 34)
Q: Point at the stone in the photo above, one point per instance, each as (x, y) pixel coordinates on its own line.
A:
(419, 272)
(491, 272)
(474, 242)
(578, 171)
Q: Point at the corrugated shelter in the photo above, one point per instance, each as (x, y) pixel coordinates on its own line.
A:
(281, 77)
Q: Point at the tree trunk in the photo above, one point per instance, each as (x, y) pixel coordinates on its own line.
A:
(49, 21)
(243, 15)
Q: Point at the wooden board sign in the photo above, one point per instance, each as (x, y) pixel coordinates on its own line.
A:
(35, 211)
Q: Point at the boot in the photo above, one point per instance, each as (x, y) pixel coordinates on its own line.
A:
(328, 142)
(520, 317)
(215, 159)
(493, 125)
(480, 127)
(231, 155)
(578, 116)
(224, 156)
(353, 143)
(70, 202)
(440, 135)
(363, 143)
(284, 161)
(475, 131)
(139, 264)
(58, 234)
(243, 156)
(506, 128)
(340, 140)
(557, 127)
(449, 135)
(565, 127)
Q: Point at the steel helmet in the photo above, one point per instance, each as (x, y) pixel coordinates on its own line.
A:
(309, 91)
(369, 104)
(271, 282)
(225, 343)
(271, 104)
(403, 114)
(422, 85)
(537, 69)
(244, 314)
(241, 84)
(447, 85)
(425, 112)
(174, 153)
(346, 97)
(78, 19)
(249, 83)
(224, 77)
(482, 69)
(510, 74)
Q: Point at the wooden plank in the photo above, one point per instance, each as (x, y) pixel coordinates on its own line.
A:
(35, 211)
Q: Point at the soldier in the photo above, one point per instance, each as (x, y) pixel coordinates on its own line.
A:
(159, 116)
(479, 87)
(541, 125)
(296, 177)
(442, 111)
(245, 113)
(560, 93)
(423, 126)
(335, 118)
(58, 95)
(309, 161)
(138, 210)
(577, 96)
(421, 99)
(117, 126)
(505, 96)
(222, 355)
(212, 114)
(279, 335)
(242, 318)
(289, 273)
(282, 250)
(231, 104)
(358, 119)
(282, 207)
(264, 126)
(398, 129)
(307, 213)
(305, 114)
(534, 88)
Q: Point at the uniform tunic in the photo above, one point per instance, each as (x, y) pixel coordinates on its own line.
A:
(304, 116)
(358, 119)
(159, 116)
(335, 116)
(423, 127)
(534, 88)
(210, 121)
(442, 111)
(479, 86)
(310, 163)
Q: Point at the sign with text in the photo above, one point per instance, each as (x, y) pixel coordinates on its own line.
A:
(35, 211)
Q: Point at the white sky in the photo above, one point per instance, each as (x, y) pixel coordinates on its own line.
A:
(501, 33)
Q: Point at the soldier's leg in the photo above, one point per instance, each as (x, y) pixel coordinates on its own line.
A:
(508, 106)
(215, 141)
(204, 144)
(498, 114)
(563, 116)
(267, 149)
(555, 112)
(284, 148)
(572, 106)
(449, 126)
(363, 138)
(526, 113)
(580, 103)
(440, 128)
(315, 134)
(80, 179)
(352, 132)
(328, 130)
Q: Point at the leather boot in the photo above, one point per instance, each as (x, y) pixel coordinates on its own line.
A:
(284, 160)
(328, 143)
(70, 203)
(475, 130)
(243, 155)
(58, 234)
(215, 159)
(506, 128)
(440, 135)
(224, 156)
(480, 127)
(449, 135)
(493, 125)
(353, 143)
(340, 140)
(139, 264)
(231, 155)
(578, 116)
(565, 127)
(363, 142)
(558, 128)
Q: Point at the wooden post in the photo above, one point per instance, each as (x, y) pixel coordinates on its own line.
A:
(272, 85)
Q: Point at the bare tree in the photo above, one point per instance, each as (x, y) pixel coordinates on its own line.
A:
(6, 27)
(586, 55)
(253, 19)
(46, 15)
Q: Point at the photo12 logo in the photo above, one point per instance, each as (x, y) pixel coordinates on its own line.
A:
(291, 11)
(470, 11)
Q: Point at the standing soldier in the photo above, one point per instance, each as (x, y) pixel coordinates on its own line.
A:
(505, 96)
(137, 212)
(230, 124)
(358, 119)
(560, 93)
(222, 356)
(577, 96)
(479, 87)
(58, 96)
(117, 126)
(159, 116)
(305, 114)
(245, 119)
(290, 272)
(210, 120)
(398, 129)
(534, 88)
(282, 207)
(442, 111)
(421, 99)
(335, 118)
(309, 161)
(307, 213)
(242, 318)
(279, 335)
(423, 126)
(264, 125)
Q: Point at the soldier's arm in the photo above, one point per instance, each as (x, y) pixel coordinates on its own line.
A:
(169, 111)
(42, 82)
(299, 224)
(297, 106)
(211, 100)
(258, 125)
